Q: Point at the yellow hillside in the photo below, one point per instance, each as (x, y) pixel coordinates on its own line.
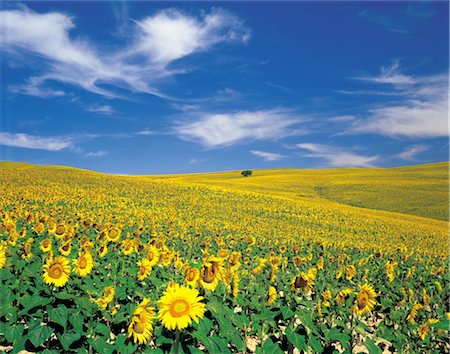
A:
(418, 190)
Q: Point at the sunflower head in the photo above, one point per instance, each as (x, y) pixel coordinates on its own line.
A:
(179, 306)
(192, 276)
(46, 245)
(210, 274)
(141, 325)
(109, 293)
(272, 296)
(365, 300)
(113, 234)
(60, 231)
(145, 267)
(57, 271)
(84, 264)
(303, 281)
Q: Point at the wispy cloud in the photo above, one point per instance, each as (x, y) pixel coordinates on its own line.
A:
(98, 153)
(145, 132)
(103, 109)
(26, 141)
(419, 111)
(34, 87)
(157, 41)
(218, 130)
(410, 153)
(390, 74)
(337, 157)
(267, 156)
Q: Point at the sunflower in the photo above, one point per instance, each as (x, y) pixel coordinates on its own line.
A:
(319, 308)
(303, 281)
(272, 295)
(84, 263)
(390, 270)
(179, 306)
(128, 247)
(166, 257)
(426, 299)
(211, 273)
(365, 300)
(57, 271)
(113, 234)
(326, 298)
(27, 248)
(102, 303)
(260, 267)
(86, 244)
(179, 264)
(320, 263)
(192, 277)
(66, 248)
(39, 228)
(45, 245)
(236, 281)
(224, 253)
(60, 230)
(144, 268)
(108, 293)
(233, 260)
(414, 312)
(103, 250)
(141, 325)
(2, 254)
(423, 330)
(350, 272)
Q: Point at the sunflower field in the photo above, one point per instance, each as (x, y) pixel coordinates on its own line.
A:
(218, 263)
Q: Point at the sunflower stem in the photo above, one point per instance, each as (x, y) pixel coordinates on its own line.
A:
(176, 345)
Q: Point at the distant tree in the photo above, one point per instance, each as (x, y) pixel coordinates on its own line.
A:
(246, 173)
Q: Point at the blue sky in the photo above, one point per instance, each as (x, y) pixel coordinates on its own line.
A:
(152, 87)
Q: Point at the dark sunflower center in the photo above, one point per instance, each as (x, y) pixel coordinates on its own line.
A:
(82, 262)
(139, 327)
(209, 274)
(300, 282)
(55, 271)
(362, 301)
(191, 275)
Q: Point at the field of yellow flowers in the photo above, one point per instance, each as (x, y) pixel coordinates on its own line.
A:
(283, 261)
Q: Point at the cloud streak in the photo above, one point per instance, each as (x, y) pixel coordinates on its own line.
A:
(267, 156)
(420, 111)
(410, 153)
(214, 130)
(337, 157)
(26, 141)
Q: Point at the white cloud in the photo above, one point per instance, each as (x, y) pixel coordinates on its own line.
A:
(412, 118)
(33, 87)
(78, 62)
(420, 111)
(337, 157)
(410, 153)
(98, 153)
(218, 130)
(35, 142)
(267, 156)
(170, 34)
